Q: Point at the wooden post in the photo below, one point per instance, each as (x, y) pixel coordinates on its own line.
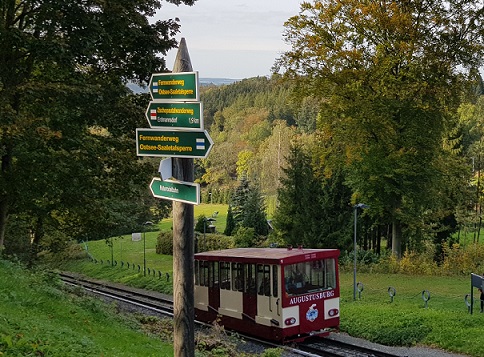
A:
(183, 239)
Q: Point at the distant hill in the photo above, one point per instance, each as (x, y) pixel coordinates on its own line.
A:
(217, 81)
(203, 82)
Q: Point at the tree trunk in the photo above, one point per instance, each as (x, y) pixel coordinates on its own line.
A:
(37, 237)
(397, 238)
(183, 242)
(6, 166)
(3, 220)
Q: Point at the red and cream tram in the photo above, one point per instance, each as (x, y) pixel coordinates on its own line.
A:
(273, 293)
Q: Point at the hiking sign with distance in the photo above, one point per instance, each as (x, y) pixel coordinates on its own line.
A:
(185, 115)
(184, 144)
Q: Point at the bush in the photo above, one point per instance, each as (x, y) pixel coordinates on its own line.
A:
(213, 241)
(463, 260)
(200, 226)
(164, 243)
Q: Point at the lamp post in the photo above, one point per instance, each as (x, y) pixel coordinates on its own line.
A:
(362, 206)
(147, 223)
(205, 219)
(112, 252)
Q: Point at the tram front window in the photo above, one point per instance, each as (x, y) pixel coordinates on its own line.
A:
(308, 277)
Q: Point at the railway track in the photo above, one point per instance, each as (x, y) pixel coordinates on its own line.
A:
(330, 348)
(163, 304)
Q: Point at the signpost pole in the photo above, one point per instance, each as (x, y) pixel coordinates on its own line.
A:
(183, 244)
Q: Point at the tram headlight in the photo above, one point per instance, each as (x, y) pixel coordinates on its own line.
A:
(290, 321)
(333, 312)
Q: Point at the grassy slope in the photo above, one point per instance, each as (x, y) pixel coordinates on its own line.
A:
(38, 318)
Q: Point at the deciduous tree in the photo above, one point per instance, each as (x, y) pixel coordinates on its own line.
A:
(390, 74)
(66, 118)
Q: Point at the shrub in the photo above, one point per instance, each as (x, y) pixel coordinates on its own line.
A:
(213, 241)
(463, 260)
(164, 243)
(216, 342)
(244, 237)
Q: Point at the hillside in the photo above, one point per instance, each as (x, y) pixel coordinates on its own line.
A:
(39, 318)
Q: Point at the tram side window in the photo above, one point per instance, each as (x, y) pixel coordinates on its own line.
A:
(275, 280)
(225, 275)
(201, 273)
(330, 266)
(264, 279)
(213, 275)
(237, 277)
(250, 283)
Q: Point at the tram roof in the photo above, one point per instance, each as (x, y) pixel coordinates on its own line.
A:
(268, 255)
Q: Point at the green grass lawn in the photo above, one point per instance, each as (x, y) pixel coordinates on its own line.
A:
(37, 318)
(444, 323)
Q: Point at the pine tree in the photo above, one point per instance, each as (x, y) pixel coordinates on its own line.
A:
(239, 199)
(230, 222)
(254, 212)
(248, 208)
(296, 217)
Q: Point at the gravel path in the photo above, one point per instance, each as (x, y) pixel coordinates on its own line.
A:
(401, 351)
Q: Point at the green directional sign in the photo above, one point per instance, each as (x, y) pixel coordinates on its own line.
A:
(187, 115)
(175, 86)
(158, 142)
(180, 191)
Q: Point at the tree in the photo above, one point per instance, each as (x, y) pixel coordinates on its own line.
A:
(248, 209)
(298, 215)
(67, 119)
(230, 223)
(390, 74)
(254, 213)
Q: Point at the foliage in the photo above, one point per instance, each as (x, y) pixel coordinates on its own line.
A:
(201, 225)
(230, 225)
(164, 243)
(214, 241)
(245, 237)
(390, 78)
(67, 123)
(272, 352)
(463, 259)
(216, 342)
(161, 327)
(312, 208)
(248, 208)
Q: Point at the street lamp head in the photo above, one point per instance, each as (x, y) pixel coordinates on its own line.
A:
(147, 223)
(361, 205)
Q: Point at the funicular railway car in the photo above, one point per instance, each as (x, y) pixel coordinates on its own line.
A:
(277, 294)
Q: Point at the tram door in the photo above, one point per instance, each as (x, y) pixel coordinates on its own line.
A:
(267, 291)
(250, 291)
(213, 286)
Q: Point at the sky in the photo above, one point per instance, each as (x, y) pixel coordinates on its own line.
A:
(231, 38)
